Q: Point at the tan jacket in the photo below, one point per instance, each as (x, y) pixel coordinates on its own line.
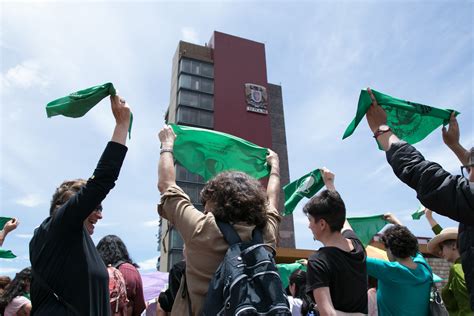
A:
(205, 244)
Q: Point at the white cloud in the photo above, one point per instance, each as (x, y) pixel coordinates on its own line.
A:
(152, 223)
(30, 200)
(189, 34)
(9, 271)
(24, 236)
(107, 224)
(148, 264)
(25, 75)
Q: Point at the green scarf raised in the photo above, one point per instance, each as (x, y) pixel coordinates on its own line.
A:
(366, 227)
(418, 213)
(306, 186)
(5, 254)
(207, 153)
(78, 103)
(410, 121)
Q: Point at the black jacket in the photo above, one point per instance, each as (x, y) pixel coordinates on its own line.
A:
(443, 193)
(63, 254)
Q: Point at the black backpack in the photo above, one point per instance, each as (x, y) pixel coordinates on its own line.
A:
(247, 281)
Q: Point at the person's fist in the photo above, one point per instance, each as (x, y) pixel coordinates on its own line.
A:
(167, 137)
(272, 158)
(11, 225)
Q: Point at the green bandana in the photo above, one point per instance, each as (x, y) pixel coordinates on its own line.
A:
(6, 254)
(3, 221)
(306, 186)
(207, 153)
(410, 121)
(366, 227)
(418, 213)
(79, 103)
(285, 270)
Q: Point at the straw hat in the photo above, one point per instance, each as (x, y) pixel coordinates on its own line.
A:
(446, 234)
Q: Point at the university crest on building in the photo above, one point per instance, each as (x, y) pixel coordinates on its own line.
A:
(257, 98)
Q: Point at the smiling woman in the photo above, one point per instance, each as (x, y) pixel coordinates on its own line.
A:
(69, 277)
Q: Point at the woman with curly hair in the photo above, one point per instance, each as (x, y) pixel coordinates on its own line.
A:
(230, 197)
(403, 283)
(15, 299)
(114, 253)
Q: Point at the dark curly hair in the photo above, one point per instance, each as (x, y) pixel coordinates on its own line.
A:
(237, 197)
(64, 192)
(17, 287)
(112, 250)
(327, 205)
(401, 242)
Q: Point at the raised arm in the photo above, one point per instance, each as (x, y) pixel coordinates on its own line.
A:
(121, 112)
(9, 226)
(392, 219)
(166, 171)
(377, 119)
(273, 187)
(451, 139)
(74, 211)
(435, 227)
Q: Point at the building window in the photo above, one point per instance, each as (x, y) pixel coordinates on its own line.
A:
(195, 117)
(196, 83)
(197, 68)
(176, 242)
(197, 100)
(182, 174)
(174, 257)
(193, 190)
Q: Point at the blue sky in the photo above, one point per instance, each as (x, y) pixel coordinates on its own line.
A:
(322, 53)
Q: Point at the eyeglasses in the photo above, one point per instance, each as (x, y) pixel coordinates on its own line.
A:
(466, 173)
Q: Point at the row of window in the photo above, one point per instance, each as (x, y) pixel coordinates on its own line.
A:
(195, 117)
(196, 83)
(195, 99)
(197, 68)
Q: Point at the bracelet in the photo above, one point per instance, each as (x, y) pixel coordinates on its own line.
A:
(274, 174)
(166, 150)
(381, 131)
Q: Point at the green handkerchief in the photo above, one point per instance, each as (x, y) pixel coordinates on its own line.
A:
(418, 213)
(207, 153)
(3, 221)
(6, 254)
(366, 227)
(78, 103)
(306, 186)
(410, 121)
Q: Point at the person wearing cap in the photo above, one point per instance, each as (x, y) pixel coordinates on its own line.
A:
(446, 194)
(444, 244)
(69, 276)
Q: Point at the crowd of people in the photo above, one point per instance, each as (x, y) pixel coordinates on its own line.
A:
(69, 275)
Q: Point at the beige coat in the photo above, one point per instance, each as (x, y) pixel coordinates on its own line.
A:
(205, 244)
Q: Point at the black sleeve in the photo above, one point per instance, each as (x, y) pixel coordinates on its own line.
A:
(72, 214)
(317, 274)
(437, 189)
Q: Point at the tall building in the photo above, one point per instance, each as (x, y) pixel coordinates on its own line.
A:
(223, 86)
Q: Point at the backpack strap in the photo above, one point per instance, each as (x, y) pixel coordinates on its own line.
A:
(48, 289)
(230, 235)
(257, 236)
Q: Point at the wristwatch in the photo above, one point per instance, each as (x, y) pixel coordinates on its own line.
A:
(382, 130)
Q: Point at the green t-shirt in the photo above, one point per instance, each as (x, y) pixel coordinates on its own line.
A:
(454, 293)
(401, 290)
